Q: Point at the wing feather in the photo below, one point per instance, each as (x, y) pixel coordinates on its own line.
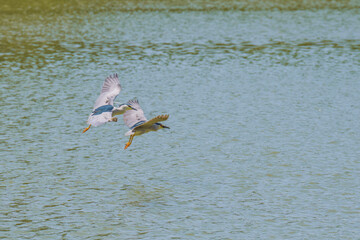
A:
(109, 91)
(132, 117)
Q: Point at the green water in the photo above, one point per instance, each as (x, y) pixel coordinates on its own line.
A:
(264, 116)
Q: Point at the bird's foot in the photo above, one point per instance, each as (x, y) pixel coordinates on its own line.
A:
(87, 128)
(127, 145)
(114, 119)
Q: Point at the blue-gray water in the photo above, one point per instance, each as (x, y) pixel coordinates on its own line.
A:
(264, 116)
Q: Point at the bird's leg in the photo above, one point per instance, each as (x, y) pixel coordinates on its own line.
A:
(130, 141)
(114, 119)
(87, 128)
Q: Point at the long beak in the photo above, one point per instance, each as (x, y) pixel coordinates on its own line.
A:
(165, 126)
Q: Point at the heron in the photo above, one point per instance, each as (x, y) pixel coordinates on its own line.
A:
(104, 110)
(137, 122)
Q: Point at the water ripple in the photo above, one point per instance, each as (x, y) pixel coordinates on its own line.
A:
(264, 128)
(50, 53)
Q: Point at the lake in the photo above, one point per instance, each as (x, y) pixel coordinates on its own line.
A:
(264, 124)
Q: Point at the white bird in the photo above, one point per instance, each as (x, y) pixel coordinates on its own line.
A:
(104, 110)
(137, 122)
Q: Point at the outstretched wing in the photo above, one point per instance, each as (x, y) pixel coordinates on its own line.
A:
(133, 117)
(154, 120)
(109, 91)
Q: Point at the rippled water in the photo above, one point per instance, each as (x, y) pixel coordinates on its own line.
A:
(264, 116)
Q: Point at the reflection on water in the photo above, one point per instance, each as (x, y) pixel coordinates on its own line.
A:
(263, 116)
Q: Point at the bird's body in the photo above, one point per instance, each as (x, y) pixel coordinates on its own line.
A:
(138, 124)
(141, 130)
(104, 110)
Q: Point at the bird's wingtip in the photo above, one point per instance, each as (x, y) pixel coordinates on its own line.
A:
(134, 100)
(113, 75)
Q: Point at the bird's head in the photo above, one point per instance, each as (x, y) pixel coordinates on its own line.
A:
(127, 107)
(163, 126)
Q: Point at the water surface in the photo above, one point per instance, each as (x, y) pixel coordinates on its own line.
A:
(263, 108)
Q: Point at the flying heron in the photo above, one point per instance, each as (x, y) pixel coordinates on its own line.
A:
(137, 122)
(104, 110)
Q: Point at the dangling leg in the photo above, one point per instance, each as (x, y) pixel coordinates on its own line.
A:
(130, 141)
(87, 128)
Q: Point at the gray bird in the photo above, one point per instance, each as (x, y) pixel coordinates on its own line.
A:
(138, 124)
(104, 110)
